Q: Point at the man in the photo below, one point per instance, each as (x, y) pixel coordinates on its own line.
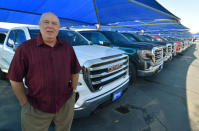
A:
(50, 68)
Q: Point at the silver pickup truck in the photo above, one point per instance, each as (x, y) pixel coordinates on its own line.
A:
(104, 75)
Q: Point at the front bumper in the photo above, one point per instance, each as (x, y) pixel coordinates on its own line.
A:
(167, 57)
(179, 50)
(90, 105)
(152, 70)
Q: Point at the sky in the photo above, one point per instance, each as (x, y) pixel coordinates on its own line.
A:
(186, 10)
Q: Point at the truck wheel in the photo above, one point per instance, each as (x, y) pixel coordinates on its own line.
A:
(132, 73)
(2, 75)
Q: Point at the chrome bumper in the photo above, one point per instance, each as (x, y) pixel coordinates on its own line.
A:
(166, 58)
(90, 105)
(152, 70)
(179, 51)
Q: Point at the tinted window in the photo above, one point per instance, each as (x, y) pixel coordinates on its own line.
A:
(2, 38)
(20, 37)
(142, 38)
(72, 37)
(34, 33)
(116, 37)
(130, 37)
(95, 37)
(11, 39)
(169, 39)
(157, 39)
(146, 38)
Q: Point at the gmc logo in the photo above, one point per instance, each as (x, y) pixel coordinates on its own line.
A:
(114, 67)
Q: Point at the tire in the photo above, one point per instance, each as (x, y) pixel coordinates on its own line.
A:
(2, 75)
(132, 73)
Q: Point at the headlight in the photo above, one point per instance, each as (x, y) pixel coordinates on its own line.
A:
(145, 54)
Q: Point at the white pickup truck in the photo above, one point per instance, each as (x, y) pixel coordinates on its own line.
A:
(104, 75)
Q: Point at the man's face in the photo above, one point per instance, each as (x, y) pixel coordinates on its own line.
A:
(49, 27)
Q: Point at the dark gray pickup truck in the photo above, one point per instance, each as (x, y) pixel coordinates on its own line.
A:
(145, 59)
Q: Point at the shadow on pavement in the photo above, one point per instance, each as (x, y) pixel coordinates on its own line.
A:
(167, 93)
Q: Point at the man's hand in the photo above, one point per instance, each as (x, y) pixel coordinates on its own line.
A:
(18, 88)
(74, 81)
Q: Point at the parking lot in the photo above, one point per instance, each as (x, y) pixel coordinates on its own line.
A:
(168, 101)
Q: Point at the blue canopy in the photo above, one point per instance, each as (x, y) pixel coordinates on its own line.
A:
(83, 12)
(153, 25)
(3, 30)
(155, 6)
(196, 35)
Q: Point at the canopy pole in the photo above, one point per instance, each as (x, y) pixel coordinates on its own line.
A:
(133, 1)
(143, 25)
(98, 25)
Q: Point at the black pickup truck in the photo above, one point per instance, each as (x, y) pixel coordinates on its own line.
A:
(167, 47)
(145, 59)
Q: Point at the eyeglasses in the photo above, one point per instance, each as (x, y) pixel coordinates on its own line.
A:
(47, 22)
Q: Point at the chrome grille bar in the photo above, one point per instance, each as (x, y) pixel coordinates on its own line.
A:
(105, 74)
(107, 65)
(108, 78)
(158, 53)
(99, 72)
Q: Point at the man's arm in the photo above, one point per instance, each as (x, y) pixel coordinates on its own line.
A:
(75, 81)
(18, 88)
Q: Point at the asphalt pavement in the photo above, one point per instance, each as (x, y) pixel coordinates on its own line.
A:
(167, 101)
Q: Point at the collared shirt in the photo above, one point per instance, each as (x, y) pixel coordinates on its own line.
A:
(47, 72)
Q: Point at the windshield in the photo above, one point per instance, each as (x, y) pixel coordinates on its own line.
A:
(164, 39)
(95, 37)
(157, 39)
(145, 38)
(116, 37)
(170, 39)
(72, 37)
(130, 37)
(141, 38)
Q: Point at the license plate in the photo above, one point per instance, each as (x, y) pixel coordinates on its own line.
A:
(116, 95)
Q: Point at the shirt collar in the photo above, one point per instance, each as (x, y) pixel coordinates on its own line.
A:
(40, 41)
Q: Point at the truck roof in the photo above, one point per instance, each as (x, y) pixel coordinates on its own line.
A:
(37, 27)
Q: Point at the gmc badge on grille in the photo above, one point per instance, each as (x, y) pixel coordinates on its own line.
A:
(114, 67)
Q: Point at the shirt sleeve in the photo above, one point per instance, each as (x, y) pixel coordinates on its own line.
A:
(74, 63)
(16, 70)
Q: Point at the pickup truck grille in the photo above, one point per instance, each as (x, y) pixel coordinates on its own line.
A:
(169, 46)
(173, 48)
(100, 72)
(165, 50)
(158, 53)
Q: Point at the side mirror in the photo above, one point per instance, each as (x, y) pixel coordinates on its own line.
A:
(103, 43)
(90, 43)
(15, 48)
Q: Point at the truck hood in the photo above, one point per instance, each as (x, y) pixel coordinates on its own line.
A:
(90, 52)
(159, 43)
(138, 45)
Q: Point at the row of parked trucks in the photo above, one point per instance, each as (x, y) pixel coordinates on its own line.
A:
(110, 61)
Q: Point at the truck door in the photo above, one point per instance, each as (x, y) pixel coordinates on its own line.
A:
(16, 37)
(7, 52)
